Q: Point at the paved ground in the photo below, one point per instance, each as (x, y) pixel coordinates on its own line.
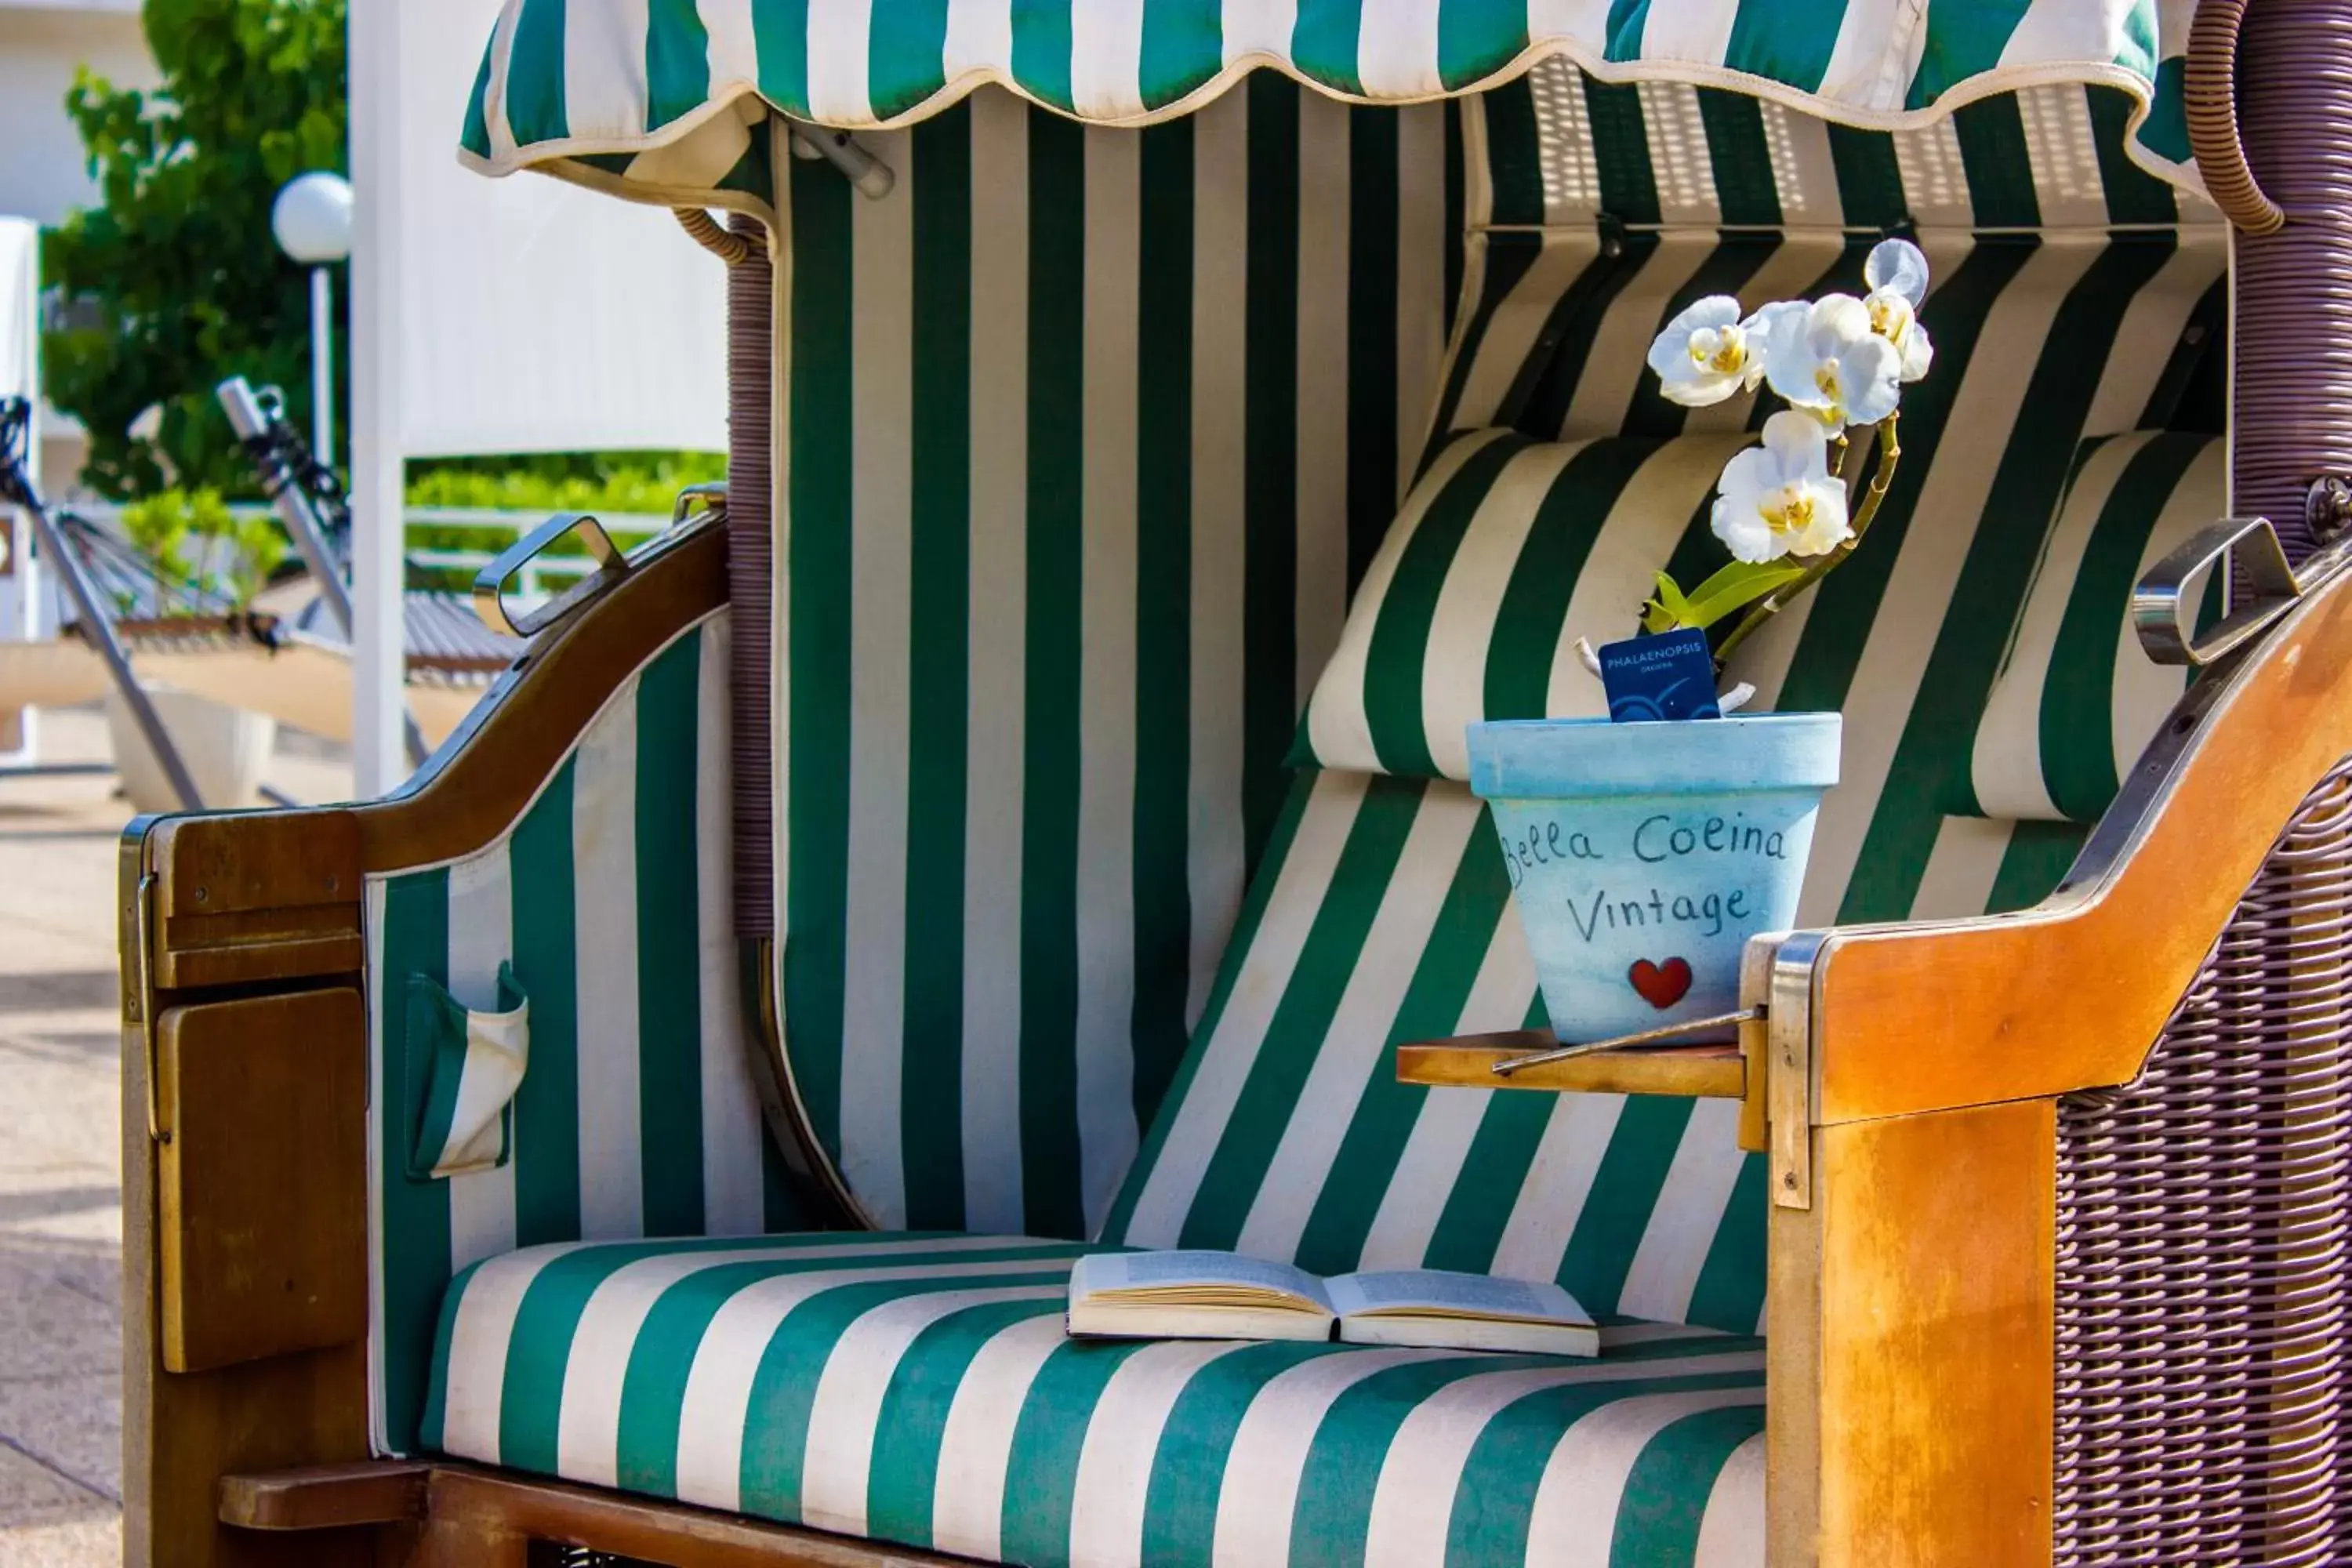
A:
(60, 1166)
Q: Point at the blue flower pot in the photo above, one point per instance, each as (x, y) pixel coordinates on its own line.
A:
(1644, 856)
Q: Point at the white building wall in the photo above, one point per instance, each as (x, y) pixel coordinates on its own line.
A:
(43, 176)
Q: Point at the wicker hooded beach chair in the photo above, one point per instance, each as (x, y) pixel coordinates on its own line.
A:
(1032, 821)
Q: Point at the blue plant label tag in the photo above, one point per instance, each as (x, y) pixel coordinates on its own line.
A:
(1668, 675)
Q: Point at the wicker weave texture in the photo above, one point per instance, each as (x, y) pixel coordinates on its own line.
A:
(751, 570)
(2203, 1278)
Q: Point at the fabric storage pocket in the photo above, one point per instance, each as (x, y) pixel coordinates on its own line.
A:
(473, 1062)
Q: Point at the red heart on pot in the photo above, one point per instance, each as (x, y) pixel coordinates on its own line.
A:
(1661, 984)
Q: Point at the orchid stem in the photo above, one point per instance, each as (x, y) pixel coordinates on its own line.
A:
(1890, 449)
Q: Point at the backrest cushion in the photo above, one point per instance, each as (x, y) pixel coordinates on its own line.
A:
(637, 1114)
(1505, 553)
(2077, 699)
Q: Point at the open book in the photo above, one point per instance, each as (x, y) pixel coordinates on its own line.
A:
(1223, 1296)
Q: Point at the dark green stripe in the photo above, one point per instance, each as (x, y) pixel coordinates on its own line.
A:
(1546, 387)
(1508, 258)
(1323, 42)
(1515, 172)
(2165, 132)
(1399, 639)
(1163, 619)
(2017, 509)
(2038, 858)
(1961, 42)
(1533, 613)
(1373, 205)
(905, 44)
(1041, 49)
(1183, 46)
(536, 110)
(1041, 1474)
(1381, 1123)
(1664, 1504)
(1477, 40)
(1470, 1227)
(1993, 139)
(476, 137)
(931, 1086)
(669, 942)
(1294, 1035)
(415, 1213)
(1269, 455)
(903, 1476)
(2134, 195)
(780, 40)
(816, 897)
(1786, 40)
(547, 963)
(1738, 155)
(434, 1050)
(1051, 736)
(433, 1426)
(1621, 152)
(1869, 179)
(677, 61)
(1627, 18)
(1625, 1191)
(1729, 1294)
(2077, 718)
(1259, 894)
(1188, 1467)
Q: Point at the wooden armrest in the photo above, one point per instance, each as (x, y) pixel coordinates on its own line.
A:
(1697, 1072)
(325, 1496)
(2072, 994)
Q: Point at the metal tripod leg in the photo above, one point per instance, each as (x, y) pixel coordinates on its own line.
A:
(17, 484)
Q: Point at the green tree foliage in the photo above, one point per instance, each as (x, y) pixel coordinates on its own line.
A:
(178, 268)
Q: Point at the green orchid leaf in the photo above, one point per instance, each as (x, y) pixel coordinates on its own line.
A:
(1667, 610)
(1735, 587)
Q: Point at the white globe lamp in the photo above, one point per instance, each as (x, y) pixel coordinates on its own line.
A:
(312, 220)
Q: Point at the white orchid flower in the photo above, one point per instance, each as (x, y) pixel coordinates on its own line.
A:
(1897, 275)
(1779, 499)
(1830, 364)
(1706, 353)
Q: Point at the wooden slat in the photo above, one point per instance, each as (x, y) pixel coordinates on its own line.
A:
(263, 1177)
(325, 1496)
(1690, 1072)
(236, 862)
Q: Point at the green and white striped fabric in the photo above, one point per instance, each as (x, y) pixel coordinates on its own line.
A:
(1092, 433)
(919, 1390)
(626, 94)
(608, 897)
(1506, 551)
(473, 1060)
(2078, 701)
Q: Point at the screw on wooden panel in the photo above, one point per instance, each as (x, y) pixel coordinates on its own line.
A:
(334, 884)
(202, 895)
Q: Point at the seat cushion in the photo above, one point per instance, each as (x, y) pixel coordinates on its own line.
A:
(1506, 551)
(2077, 699)
(919, 1389)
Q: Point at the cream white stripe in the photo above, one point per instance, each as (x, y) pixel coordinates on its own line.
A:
(481, 937)
(1220, 321)
(1106, 760)
(976, 1439)
(2006, 763)
(1462, 624)
(717, 1407)
(1698, 31)
(1115, 1462)
(845, 1413)
(1396, 48)
(604, 917)
(1683, 168)
(1258, 27)
(1336, 722)
(1732, 1533)
(838, 32)
(1518, 322)
(1354, 1048)
(1613, 367)
(881, 399)
(979, 37)
(2144, 690)
(1231, 1048)
(733, 1201)
(1106, 47)
(1935, 178)
(1867, 66)
(1268, 1455)
(1320, 488)
(1961, 869)
(1571, 169)
(1585, 1479)
(1985, 408)
(614, 1316)
(732, 55)
(998, 612)
(1644, 523)
(2063, 155)
(604, 69)
(1558, 1183)
(1444, 1129)
(1804, 173)
(1690, 1211)
(480, 1333)
(1420, 279)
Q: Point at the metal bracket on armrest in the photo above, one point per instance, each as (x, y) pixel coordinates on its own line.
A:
(1789, 1075)
(2164, 605)
(489, 584)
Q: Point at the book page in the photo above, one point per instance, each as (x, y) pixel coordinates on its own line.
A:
(1447, 1293)
(1155, 1272)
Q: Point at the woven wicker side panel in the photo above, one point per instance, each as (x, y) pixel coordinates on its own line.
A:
(2202, 1271)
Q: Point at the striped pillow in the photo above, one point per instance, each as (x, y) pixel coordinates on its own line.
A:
(2076, 699)
(1506, 551)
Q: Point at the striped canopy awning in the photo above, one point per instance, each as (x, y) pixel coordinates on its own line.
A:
(657, 99)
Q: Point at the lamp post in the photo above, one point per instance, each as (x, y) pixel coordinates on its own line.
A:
(312, 221)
